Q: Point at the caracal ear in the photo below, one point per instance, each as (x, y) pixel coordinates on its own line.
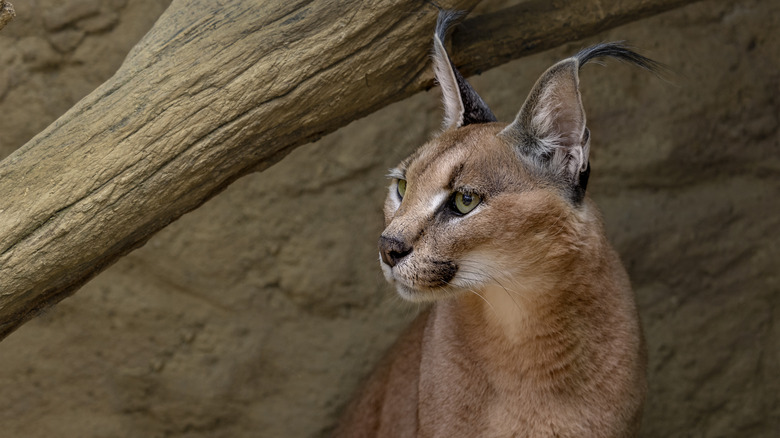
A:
(462, 105)
(550, 128)
(550, 132)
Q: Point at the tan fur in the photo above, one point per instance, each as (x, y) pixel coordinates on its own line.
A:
(533, 331)
(537, 333)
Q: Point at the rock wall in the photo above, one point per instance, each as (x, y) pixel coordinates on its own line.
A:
(258, 314)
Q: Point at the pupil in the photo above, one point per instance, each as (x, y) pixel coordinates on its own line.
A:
(466, 199)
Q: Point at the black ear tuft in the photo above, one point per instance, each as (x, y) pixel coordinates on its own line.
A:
(620, 51)
(462, 105)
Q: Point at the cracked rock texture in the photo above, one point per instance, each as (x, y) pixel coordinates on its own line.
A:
(258, 314)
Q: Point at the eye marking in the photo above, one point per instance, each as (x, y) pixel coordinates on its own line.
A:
(464, 202)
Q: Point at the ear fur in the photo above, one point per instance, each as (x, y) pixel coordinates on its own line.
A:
(550, 127)
(550, 130)
(462, 105)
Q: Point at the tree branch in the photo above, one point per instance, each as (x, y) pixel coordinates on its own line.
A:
(7, 13)
(488, 40)
(214, 92)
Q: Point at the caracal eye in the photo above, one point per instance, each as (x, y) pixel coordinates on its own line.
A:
(401, 187)
(465, 202)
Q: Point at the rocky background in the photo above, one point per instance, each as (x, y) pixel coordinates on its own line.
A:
(259, 313)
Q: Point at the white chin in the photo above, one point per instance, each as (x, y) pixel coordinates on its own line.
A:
(410, 294)
(422, 296)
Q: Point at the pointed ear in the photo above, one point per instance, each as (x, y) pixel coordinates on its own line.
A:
(462, 105)
(550, 127)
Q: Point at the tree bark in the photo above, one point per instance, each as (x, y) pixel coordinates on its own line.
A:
(7, 13)
(220, 89)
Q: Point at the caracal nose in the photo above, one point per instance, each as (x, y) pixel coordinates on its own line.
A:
(393, 250)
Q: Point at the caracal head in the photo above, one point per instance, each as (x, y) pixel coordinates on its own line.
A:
(488, 204)
(465, 212)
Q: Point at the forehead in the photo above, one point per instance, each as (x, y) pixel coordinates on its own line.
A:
(469, 156)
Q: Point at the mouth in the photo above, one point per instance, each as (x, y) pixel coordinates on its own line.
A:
(423, 284)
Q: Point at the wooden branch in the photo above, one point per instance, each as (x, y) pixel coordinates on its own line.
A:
(530, 27)
(7, 13)
(212, 93)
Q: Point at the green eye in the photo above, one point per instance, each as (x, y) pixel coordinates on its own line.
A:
(465, 202)
(401, 187)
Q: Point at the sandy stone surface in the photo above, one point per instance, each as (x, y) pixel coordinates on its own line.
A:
(258, 314)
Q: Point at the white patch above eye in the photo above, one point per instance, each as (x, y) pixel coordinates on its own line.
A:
(436, 202)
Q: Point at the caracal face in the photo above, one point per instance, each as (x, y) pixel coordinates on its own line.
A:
(465, 212)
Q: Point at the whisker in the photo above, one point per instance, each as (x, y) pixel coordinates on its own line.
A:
(485, 300)
(471, 270)
(477, 294)
(511, 297)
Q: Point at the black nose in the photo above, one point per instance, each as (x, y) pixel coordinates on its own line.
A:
(393, 250)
